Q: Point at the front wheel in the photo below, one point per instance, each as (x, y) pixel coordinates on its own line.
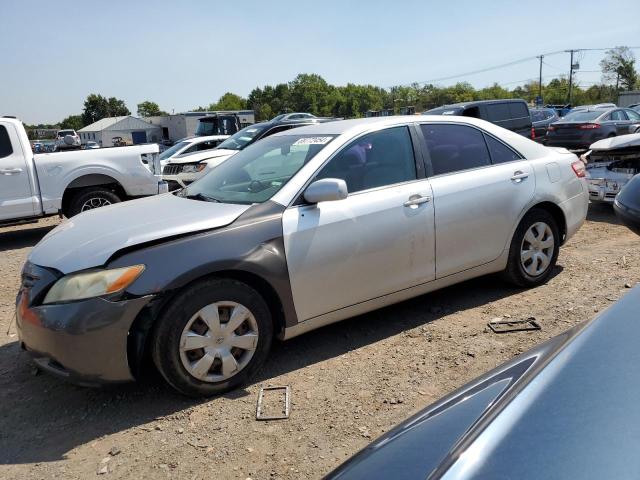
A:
(89, 199)
(534, 249)
(213, 337)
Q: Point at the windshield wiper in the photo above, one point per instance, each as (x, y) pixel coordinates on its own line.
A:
(202, 197)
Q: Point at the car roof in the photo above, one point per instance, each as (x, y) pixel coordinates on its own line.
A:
(354, 127)
(480, 102)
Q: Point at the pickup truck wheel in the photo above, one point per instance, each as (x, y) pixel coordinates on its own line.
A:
(213, 337)
(90, 198)
(534, 249)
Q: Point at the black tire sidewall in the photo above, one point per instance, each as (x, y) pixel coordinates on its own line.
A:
(171, 323)
(75, 206)
(515, 270)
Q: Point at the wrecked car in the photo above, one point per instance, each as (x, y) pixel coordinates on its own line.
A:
(611, 163)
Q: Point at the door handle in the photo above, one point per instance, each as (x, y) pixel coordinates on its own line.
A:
(519, 175)
(415, 200)
(10, 171)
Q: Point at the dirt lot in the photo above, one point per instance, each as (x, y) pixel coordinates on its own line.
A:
(350, 382)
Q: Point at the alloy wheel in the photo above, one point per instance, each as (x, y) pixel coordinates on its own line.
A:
(95, 202)
(218, 341)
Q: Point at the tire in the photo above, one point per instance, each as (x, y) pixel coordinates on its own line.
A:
(82, 201)
(186, 369)
(523, 268)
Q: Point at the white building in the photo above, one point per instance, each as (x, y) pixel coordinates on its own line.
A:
(132, 130)
(181, 125)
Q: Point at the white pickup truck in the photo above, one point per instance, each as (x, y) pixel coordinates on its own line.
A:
(35, 186)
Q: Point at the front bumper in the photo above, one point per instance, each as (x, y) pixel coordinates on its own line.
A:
(605, 192)
(630, 217)
(83, 341)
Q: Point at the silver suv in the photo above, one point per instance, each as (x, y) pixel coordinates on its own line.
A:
(300, 229)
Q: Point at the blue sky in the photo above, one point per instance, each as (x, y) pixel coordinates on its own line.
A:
(182, 54)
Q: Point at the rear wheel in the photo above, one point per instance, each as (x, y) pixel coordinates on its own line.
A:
(534, 249)
(215, 336)
(90, 198)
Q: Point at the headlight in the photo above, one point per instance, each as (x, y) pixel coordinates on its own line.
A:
(194, 168)
(93, 284)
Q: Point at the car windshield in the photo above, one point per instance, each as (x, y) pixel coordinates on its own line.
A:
(538, 115)
(259, 171)
(169, 152)
(279, 117)
(243, 138)
(581, 116)
(444, 111)
(63, 133)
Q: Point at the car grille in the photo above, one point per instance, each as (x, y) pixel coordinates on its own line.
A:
(172, 169)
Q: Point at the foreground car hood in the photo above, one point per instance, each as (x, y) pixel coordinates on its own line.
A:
(89, 239)
(567, 409)
(205, 155)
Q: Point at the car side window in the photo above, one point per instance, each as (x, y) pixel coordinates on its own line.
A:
(633, 115)
(499, 152)
(618, 115)
(497, 112)
(374, 160)
(5, 142)
(454, 148)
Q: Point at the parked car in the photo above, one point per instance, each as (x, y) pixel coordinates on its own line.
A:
(35, 186)
(91, 145)
(508, 113)
(567, 409)
(182, 170)
(67, 140)
(218, 124)
(294, 116)
(38, 147)
(191, 145)
(541, 118)
(627, 204)
(581, 128)
(301, 229)
(612, 162)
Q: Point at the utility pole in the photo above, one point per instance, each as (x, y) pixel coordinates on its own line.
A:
(571, 74)
(540, 78)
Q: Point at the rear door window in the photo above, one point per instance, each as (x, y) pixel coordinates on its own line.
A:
(5, 142)
(500, 153)
(618, 115)
(454, 148)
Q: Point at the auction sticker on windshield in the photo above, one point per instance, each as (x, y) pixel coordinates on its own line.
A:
(313, 141)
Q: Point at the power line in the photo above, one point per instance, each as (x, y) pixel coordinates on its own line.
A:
(509, 64)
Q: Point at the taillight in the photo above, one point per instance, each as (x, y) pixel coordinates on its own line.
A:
(579, 169)
(533, 133)
(589, 126)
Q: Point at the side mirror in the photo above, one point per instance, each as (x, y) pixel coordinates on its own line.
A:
(326, 190)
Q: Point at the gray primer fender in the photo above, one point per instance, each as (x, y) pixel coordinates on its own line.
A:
(252, 244)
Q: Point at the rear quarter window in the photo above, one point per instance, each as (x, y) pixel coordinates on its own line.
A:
(5, 142)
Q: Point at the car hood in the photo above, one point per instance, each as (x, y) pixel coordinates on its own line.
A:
(614, 143)
(554, 412)
(205, 155)
(91, 238)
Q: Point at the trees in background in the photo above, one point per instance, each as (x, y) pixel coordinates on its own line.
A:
(149, 109)
(97, 107)
(618, 67)
(72, 122)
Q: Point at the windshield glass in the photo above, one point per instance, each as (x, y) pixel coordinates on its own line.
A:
(259, 171)
(63, 133)
(170, 151)
(581, 116)
(243, 138)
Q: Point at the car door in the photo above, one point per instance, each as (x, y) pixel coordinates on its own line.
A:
(480, 188)
(377, 241)
(620, 120)
(634, 120)
(16, 196)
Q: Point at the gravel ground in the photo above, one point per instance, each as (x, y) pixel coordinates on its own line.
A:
(350, 382)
